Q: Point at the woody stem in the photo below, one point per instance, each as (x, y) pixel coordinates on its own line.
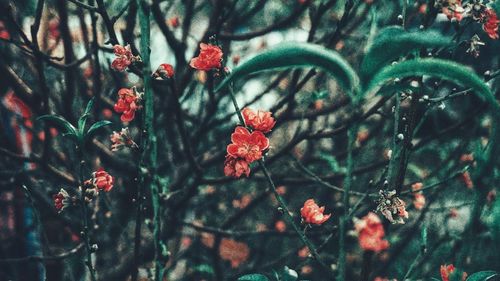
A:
(85, 230)
(281, 201)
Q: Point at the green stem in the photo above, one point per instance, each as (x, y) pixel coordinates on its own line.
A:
(289, 217)
(351, 138)
(149, 153)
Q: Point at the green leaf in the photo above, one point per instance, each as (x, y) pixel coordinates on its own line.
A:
(96, 126)
(483, 276)
(444, 69)
(83, 119)
(288, 55)
(61, 123)
(253, 277)
(393, 43)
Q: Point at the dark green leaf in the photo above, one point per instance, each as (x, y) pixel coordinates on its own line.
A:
(96, 126)
(60, 123)
(253, 277)
(288, 55)
(83, 119)
(483, 276)
(394, 42)
(438, 68)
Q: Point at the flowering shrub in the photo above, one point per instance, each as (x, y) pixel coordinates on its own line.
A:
(193, 140)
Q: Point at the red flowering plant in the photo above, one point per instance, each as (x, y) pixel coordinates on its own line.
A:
(260, 138)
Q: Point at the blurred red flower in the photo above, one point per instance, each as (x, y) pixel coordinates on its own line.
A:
(209, 58)
(491, 24)
(371, 233)
(233, 251)
(173, 21)
(127, 104)
(246, 145)
(102, 180)
(312, 213)
(260, 120)
(4, 33)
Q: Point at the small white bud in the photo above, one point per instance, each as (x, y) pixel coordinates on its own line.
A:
(400, 136)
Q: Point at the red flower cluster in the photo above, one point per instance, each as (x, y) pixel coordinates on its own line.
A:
(260, 120)
(210, 57)
(127, 104)
(163, 71)
(447, 270)
(491, 24)
(102, 180)
(124, 57)
(248, 147)
(61, 200)
(371, 233)
(311, 213)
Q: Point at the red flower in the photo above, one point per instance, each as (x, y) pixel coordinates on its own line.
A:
(61, 200)
(236, 167)
(491, 24)
(127, 104)
(124, 57)
(102, 180)
(173, 21)
(164, 71)
(246, 145)
(260, 120)
(371, 233)
(4, 33)
(312, 213)
(209, 58)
